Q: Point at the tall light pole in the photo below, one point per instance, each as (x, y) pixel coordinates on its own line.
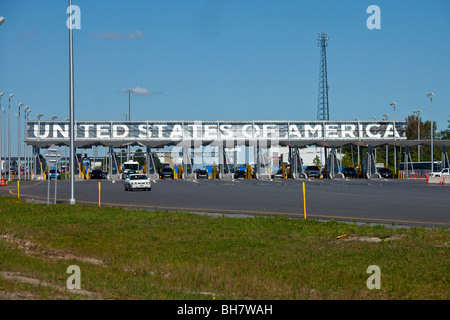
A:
(1, 131)
(37, 150)
(71, 109)
(9, 137)
(394, 104)
(18, 142)
(386, 117)
(2, 141)
(25, 145)
(129, 116)
(431, 95)
(27, 149)
(418, 112)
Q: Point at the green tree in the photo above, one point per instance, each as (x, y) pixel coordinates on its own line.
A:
(412, 126)
(346, 161)
(317, 162)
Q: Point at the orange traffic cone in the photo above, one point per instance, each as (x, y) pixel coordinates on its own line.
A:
(2, 183)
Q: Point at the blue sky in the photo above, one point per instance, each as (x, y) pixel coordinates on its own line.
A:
(226, 59)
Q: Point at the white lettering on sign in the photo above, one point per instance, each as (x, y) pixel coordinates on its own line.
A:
(176, 131)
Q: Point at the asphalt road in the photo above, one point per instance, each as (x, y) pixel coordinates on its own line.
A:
(394, 202)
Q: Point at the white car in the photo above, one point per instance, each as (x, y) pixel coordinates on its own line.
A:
(137, 181)
(443, 173)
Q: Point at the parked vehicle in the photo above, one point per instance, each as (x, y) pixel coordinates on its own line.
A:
(312, 172)
(201, 174)
(385, 173)
(349, 172)
(166, 173)
(443, 173)
(278, 174)
(98, 174)
(137, 181)
(239, 174)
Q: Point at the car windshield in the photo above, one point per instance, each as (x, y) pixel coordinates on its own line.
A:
(312, 168)
(166, 170)
(138, 177)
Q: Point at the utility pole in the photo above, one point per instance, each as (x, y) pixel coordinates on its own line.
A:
(71, 110)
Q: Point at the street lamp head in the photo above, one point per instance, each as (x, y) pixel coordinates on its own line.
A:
(39, 115)
(393, 104)
(2, 19)
(26, 108)
(418, 111)
(1, 94)
(430, 95)
(20, 104)
(11, 95)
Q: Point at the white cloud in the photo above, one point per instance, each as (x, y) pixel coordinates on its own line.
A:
(131, 36)
(27, 35)
(140, 91)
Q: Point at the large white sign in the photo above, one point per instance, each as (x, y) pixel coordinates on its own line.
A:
(216, 130)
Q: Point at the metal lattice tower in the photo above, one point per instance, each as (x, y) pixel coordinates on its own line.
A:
(323, 111)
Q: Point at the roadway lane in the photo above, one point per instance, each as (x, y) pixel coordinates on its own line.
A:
(396, 202)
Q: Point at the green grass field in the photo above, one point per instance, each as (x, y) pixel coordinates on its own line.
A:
(137, 254)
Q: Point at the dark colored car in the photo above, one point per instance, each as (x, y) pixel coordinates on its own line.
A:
(201, 174)
(239, 174)
(278, 175)
(166, 172)
(385, 173)
(97, 174)
(349, 172)
(312, 172)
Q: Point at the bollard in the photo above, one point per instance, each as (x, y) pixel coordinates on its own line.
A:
(99, 192)
(304, 200)
(18, 191)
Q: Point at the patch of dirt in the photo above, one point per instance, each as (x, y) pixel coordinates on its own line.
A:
(36, 249)
(17, 277)
(366, 239)
(4, 295)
